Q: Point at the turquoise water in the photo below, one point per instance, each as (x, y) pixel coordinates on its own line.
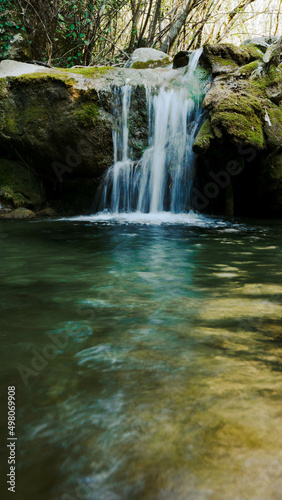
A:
(146, 358)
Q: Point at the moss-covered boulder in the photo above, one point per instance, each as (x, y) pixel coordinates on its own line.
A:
(19, 213)
(20, 186)
(226, 58)
(145, 58)
(204, 138)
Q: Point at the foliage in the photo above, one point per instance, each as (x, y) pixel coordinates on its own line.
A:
(86, 32)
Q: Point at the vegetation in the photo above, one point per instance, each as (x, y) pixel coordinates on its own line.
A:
(83, 32)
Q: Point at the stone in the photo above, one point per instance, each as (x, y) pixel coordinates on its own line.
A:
(19, 185)
(181, 59)
(204, 138)
(226, 58)
(148, 58)
(46, 212)
(259, 42)
(273, 55)
(19, 213)
(273, 127)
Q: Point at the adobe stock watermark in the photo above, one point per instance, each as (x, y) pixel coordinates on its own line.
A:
(73, 160)
(220, 180)
(59, 341)
(81, 492)
(254, 324)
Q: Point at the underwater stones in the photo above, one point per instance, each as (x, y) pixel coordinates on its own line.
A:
(148, 58)
(181, 59)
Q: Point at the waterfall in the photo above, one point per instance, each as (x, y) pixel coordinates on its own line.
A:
(162, 178)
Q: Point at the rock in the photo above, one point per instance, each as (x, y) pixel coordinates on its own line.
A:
(273, 127)
(19, 213)
(18, 49)
(273, 55)
(148, 58)
(204, 138)
(14, 68)
(181, 59)
(19, 185)
(259, 42)
(226, 58)
(271, 184)
(235, 116)
(46, 212)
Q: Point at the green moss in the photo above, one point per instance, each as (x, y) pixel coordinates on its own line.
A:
(253, 51)
(90, 72)
(18, 185)
(240, 128)
(34, 112)
(245, 105)
(88, 114)
(3, 86)
(248, 69)
(40, 77)
(204, 138)
(162, 63)
(258, 84)
(273, 132)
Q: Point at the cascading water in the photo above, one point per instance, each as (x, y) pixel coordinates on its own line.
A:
(161, 180)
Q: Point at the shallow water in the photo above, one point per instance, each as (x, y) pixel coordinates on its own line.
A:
(167, 383)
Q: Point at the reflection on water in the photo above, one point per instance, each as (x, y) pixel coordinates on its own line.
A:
(147, 359)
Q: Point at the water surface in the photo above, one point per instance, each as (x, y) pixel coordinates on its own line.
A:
(167, 383)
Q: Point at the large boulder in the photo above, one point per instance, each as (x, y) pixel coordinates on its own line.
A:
(148, 58)
(223, 58)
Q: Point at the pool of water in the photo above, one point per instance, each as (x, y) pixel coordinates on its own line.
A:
(146, 357)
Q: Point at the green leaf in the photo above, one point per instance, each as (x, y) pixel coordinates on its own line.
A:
(86, 42)
(81, 35)
(72, 26)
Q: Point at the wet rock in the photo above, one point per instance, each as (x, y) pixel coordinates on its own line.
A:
(148, 58)
(226, 58)
(261, 42)
(19, 213)
(273, 55)
(204, 138)
(181, 59)
(20, 186)
(46, 212)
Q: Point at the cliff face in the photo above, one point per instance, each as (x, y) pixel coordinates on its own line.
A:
(56, 131)
(244, 126)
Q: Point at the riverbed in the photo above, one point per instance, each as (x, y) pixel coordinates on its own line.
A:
(146, 356)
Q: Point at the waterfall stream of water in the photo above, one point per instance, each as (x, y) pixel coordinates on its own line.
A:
(161, 180)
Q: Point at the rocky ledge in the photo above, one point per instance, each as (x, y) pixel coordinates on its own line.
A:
(56, 130)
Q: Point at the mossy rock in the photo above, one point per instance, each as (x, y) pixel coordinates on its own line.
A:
(88, 72)
(19, 186)
(273, 130)
(87, 114)
(204, 138)
(19, 213)
(238, 128)
(162, 63)
(249, 68)
(244, 104)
